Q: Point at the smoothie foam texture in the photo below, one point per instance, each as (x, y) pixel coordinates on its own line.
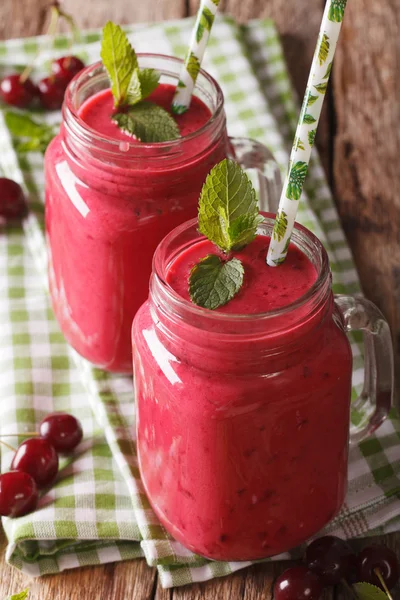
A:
(97, 511)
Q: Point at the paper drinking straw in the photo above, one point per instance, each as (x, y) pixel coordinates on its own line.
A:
(191, 67)
(306, 129)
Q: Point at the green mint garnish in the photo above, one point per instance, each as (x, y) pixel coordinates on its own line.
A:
(119, 59)
(21, 596)
(367, 591)
(148, 123)
(130, 86)
(143, 82)
(228, 207)
(228, 217)
(213, 283)
(35, 136)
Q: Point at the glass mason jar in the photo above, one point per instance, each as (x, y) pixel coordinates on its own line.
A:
(109, 203)
(238, 415)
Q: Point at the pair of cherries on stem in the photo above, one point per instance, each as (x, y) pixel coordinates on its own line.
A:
(20, 91)
(35, 463)
(330, 560)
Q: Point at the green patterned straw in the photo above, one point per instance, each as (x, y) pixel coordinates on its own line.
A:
(194, 56)
(306, 129)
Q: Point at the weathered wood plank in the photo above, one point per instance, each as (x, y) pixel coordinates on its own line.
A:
(367, 146)
(28, 17)
(22, 17)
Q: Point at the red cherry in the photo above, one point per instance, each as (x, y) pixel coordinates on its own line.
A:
(38, 458)
(17, 93)
(18, 494)
(51, 92)
(61, 430)
(298, 583)
(12, 199)
(66, 67)
(331, 558)
(378, 557)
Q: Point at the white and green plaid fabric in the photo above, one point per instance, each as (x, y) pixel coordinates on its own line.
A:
(97, 511)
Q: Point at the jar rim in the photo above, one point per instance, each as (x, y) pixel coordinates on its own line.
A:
(317, 291)
(71, 116)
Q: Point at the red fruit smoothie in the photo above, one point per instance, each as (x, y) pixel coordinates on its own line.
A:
(107, 208)
(98, 110)
(263, 289)
(243, 435)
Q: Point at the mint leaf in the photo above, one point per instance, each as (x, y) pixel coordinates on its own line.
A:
(298, 173)
(119, 59)
(323, 50)
(212, 282)
(199, 32)
(178, 109)
(207, 18)
(141, 85)
(328, 71)
(148, 122)
(336, 10)
(21, 596)
(193, 66)
(367, 591)
(228, 211)
(321, 87)
(311, 100)
(308, 119)
(280, 226)
(149, 80)
(134, 92)
(311, 137)
(38, 135)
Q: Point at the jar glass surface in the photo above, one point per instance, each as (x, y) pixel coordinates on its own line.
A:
(242, 420)
(109, 203)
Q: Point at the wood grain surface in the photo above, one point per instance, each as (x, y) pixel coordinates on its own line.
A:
(367, 146)
(359, 142)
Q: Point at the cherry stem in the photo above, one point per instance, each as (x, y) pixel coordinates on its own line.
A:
(55, 14)
(73, 27)
(349, 588)
(378, 573)
(8, 446)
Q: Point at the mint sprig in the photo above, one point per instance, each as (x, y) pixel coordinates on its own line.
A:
(130, 86)
(32, 136)
(120, 61)
(213, 283)
(143, 83)
(148, 123)
(228, 217)
(228, 208)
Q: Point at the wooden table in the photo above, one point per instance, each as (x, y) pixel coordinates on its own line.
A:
(359, 142)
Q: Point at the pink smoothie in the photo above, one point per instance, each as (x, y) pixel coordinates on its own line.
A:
(243, 439)
(98, 110)
(106, 214)
(263, 289)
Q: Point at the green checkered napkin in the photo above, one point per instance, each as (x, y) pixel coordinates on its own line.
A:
(97, 511)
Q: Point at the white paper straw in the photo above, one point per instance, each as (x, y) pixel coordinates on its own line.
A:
(191, 67)
(306, 129)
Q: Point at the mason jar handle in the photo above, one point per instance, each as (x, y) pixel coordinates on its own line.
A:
(359, 314)
(253, 155)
